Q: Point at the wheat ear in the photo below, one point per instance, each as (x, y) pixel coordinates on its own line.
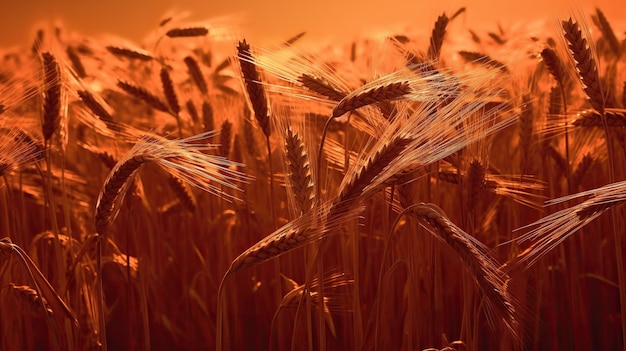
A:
(592, 118)
(183, 191)
(586, 64)
(77, 64)
(553, 229)
(196, 74)
(437, 36)
(254, 86)
(40, 283)
(207, 116)
(607, 32)
(17, 149)
(143, 94)
(359, 99)
(320, 86)
(476, 57)
(129, 53)
(299, 171)
(30, 296)
(181, 158)
(114, 190)
(169, 91)
(187, 32)
(52, 95)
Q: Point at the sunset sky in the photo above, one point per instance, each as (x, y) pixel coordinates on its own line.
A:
(274, 19)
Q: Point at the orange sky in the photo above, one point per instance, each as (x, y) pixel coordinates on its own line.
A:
(276, 19)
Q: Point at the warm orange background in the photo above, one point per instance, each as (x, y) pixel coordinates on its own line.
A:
(277, 19)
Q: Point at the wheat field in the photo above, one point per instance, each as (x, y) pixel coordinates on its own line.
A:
(446, 190)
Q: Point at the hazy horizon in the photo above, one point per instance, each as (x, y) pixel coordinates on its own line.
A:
(274, 19)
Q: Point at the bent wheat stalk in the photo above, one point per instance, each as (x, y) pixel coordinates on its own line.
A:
(485, 270)
(177, 157)
(553, 229)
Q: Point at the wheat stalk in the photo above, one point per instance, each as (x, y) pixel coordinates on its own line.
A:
(485, 270)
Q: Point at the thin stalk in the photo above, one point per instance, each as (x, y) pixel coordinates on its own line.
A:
(614, 224)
